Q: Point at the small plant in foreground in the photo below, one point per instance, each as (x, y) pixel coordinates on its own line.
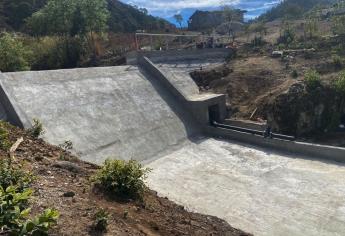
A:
(13, 176)
(124, 179)
(67, 146)
(312, 79)
(37, 128)
(101, 220)
(14, 214)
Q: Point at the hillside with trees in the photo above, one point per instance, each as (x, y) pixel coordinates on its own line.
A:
(123, 17)
(292, 9)
(55, 34)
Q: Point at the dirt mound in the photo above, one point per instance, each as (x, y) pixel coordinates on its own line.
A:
(248, 82)
(63, 183)
(301, 111)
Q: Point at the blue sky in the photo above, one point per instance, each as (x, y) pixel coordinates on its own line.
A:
(167, 8)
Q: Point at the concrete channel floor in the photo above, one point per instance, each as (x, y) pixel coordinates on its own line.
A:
(260, 192)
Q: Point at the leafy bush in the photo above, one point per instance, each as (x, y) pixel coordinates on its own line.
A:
(101, 220)
(337, 61)
(312, 79)
(4, 138)
(53, 52)
(14, 214)
(13, 176)
(340, 83)
(122, 178)
(257, 41)
(294, 74)
(288, 36)
(37, 128)
(13, 55)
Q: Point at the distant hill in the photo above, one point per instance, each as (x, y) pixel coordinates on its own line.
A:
(205, 20)
(292, 9)
(124, 18)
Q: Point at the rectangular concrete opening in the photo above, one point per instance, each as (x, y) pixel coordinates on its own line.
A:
(214, 113)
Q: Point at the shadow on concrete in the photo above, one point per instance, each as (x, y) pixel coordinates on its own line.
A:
(192, 128)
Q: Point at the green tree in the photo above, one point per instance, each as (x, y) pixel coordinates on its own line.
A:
(70, 18)
(312, 27)
(13, 55)
(338, 25)
(179, 19)
(229, 16)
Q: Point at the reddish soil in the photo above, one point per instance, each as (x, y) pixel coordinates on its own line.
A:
(56, 177)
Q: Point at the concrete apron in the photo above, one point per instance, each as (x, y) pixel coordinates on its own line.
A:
(258, 191)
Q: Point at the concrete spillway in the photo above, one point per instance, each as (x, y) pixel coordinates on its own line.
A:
(126, 112)
(106, 112)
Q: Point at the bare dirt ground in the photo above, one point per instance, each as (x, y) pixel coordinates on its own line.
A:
(255, 79)
(63, 183)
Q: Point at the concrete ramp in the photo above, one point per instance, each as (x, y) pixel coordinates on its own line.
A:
(106, 112)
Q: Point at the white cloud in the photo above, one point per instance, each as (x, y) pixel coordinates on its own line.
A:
(169, 5)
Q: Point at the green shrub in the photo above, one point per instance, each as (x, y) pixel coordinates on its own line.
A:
(4, 138)
(312, 79)
(14, 214)
(13, 55)
(13, 176)
(55, 52)
(101, 220)
(337, 61)
(121, 178)
(37, 128)
(340, 83)
(294, 74)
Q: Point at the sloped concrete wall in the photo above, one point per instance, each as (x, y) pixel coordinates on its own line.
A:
(9, 109)
(106, 112)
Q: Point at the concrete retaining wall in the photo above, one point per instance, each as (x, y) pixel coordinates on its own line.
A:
(9, 109)
(305, 149)
(177, 55)
(199, 107)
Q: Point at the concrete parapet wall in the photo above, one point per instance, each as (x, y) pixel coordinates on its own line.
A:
(9, 109)
(199, 107)
(305, 149)
(177, 55)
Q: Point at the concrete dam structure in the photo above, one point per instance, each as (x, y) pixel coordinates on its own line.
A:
(152, 111)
